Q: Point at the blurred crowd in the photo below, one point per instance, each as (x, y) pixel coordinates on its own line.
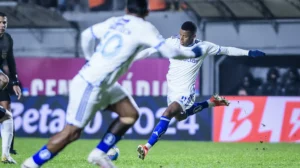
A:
(274, 84)
(100, 5)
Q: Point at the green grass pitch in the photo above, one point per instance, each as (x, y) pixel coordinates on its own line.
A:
(172, 154)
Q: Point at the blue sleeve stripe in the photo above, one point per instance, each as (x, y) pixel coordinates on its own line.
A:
(160, 44)
(198, 51)
(92, 31)
(219, 50)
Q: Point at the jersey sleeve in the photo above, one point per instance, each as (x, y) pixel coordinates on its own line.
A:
(152, 38)
(213, 49)
(210, 48)
(145, 53)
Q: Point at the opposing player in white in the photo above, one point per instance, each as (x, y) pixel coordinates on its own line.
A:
(181, 80)
(94, 87)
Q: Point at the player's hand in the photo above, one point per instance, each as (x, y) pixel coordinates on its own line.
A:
(17, 90)
(256, 53)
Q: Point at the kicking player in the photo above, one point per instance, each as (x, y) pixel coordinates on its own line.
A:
(7, 126)
(181, 80)
(95, 88)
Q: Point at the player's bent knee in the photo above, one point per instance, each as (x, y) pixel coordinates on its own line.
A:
(173, 110)
(128, 120)
(180, 117)
(72, 132)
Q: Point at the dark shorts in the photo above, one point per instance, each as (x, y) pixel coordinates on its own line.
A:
(4, 95)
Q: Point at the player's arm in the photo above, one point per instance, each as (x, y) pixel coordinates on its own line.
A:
(88, 42)
(10, 59)
(213, 49)
(153, 38)
(145, 53)
(169, 51)
(90, 35)
(149, 51)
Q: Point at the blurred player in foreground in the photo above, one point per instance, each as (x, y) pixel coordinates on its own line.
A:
(6, 119)
(95, 88)
(181, 79)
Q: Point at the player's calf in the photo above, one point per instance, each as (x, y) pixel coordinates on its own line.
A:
(115, 132)
(161, 127)
(68, 135)
(128, 115)
(197, 107)
(214, 101)
(158, 131)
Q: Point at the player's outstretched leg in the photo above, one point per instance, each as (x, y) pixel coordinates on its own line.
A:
(214, 101)
(57, 143)
(128, 115)
(162, 126)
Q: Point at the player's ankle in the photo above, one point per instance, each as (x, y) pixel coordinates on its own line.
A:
(211, 104)
(5, 151)
(148, 146)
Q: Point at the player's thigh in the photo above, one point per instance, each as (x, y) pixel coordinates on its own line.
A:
(83, 102)
(184, 99)
(121, 102)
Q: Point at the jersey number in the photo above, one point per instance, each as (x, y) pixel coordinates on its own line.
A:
(112, 46)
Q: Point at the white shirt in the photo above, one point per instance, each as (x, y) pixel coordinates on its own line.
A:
(121, 38)
(182, 74)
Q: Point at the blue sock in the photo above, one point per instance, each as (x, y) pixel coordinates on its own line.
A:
(196, 107)
(160, 129)
(43, 156)
(108, 141)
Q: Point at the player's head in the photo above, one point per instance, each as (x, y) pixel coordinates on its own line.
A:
(187, 33)
(3, 22)
(137, 7)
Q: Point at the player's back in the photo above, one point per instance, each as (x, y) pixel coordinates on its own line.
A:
(119, 43)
